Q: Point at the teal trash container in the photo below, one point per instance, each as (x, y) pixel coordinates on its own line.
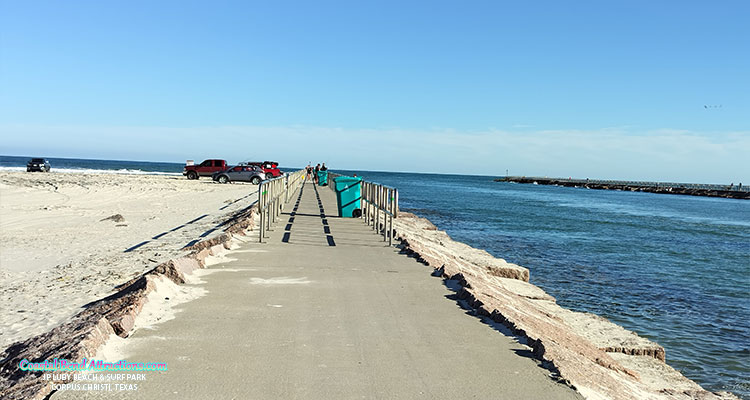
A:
(322, 178)
(348, 196)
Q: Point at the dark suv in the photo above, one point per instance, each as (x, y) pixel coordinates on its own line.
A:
(37, 164)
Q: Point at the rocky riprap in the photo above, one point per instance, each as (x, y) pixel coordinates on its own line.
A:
(598, 358)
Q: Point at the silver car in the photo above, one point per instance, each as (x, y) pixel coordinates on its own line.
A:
(240, 173)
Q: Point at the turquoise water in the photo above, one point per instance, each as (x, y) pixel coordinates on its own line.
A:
(675, 269)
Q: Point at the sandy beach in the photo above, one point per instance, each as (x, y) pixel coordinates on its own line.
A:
(59, 248)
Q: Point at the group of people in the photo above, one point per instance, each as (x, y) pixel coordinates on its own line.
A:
(313, 172)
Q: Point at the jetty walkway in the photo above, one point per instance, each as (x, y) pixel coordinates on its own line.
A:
(324, 309)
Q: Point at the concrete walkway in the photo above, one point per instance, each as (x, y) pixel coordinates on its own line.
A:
(326, 310)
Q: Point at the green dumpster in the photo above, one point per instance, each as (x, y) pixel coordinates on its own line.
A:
(348, 196)
(322, 178)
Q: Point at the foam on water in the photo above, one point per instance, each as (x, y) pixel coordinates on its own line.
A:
(96, 171)
(73, 165)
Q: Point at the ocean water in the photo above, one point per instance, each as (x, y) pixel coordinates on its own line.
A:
(674, 269)
(16, 163)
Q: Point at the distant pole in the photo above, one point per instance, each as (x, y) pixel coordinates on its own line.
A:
(506, 172)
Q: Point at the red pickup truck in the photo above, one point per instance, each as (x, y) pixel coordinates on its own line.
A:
(206, 168)
(271, 168)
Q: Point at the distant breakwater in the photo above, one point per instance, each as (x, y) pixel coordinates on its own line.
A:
(692, 189)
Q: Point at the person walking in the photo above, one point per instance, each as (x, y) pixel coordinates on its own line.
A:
(309, 172)
(317, 169)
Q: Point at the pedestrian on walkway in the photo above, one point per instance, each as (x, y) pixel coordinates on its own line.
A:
(309, 172)
(317, 169)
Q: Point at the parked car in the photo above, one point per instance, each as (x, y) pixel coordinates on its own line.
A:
(206, 168)
(240, 173)
(271, 168)
(37, 164)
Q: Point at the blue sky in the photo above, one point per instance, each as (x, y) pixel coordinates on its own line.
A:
(582, 88)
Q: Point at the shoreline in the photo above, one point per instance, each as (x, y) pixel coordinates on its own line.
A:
(597, 357)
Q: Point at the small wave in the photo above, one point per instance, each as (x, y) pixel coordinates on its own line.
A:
(97, 171)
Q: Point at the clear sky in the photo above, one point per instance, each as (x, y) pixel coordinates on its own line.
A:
(610, 89)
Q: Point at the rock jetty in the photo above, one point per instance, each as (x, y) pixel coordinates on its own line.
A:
(598, 358)
(727, 191)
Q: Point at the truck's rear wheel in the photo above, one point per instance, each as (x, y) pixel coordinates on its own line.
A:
(192, 175)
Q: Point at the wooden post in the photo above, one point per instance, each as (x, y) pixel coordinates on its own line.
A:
(395, 208)
(390, 219)
(383, 196)
(260, 212)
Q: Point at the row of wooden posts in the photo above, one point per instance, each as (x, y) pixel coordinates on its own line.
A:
(379, 202)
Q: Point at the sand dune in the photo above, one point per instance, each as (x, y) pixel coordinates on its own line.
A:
(67, 239)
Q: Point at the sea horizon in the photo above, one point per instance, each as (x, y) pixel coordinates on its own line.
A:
(182, 164)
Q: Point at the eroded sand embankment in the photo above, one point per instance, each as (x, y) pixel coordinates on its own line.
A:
(66, 239)
(84, 334)
(600, 359)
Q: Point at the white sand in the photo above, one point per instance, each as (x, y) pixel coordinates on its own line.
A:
(57, 255)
